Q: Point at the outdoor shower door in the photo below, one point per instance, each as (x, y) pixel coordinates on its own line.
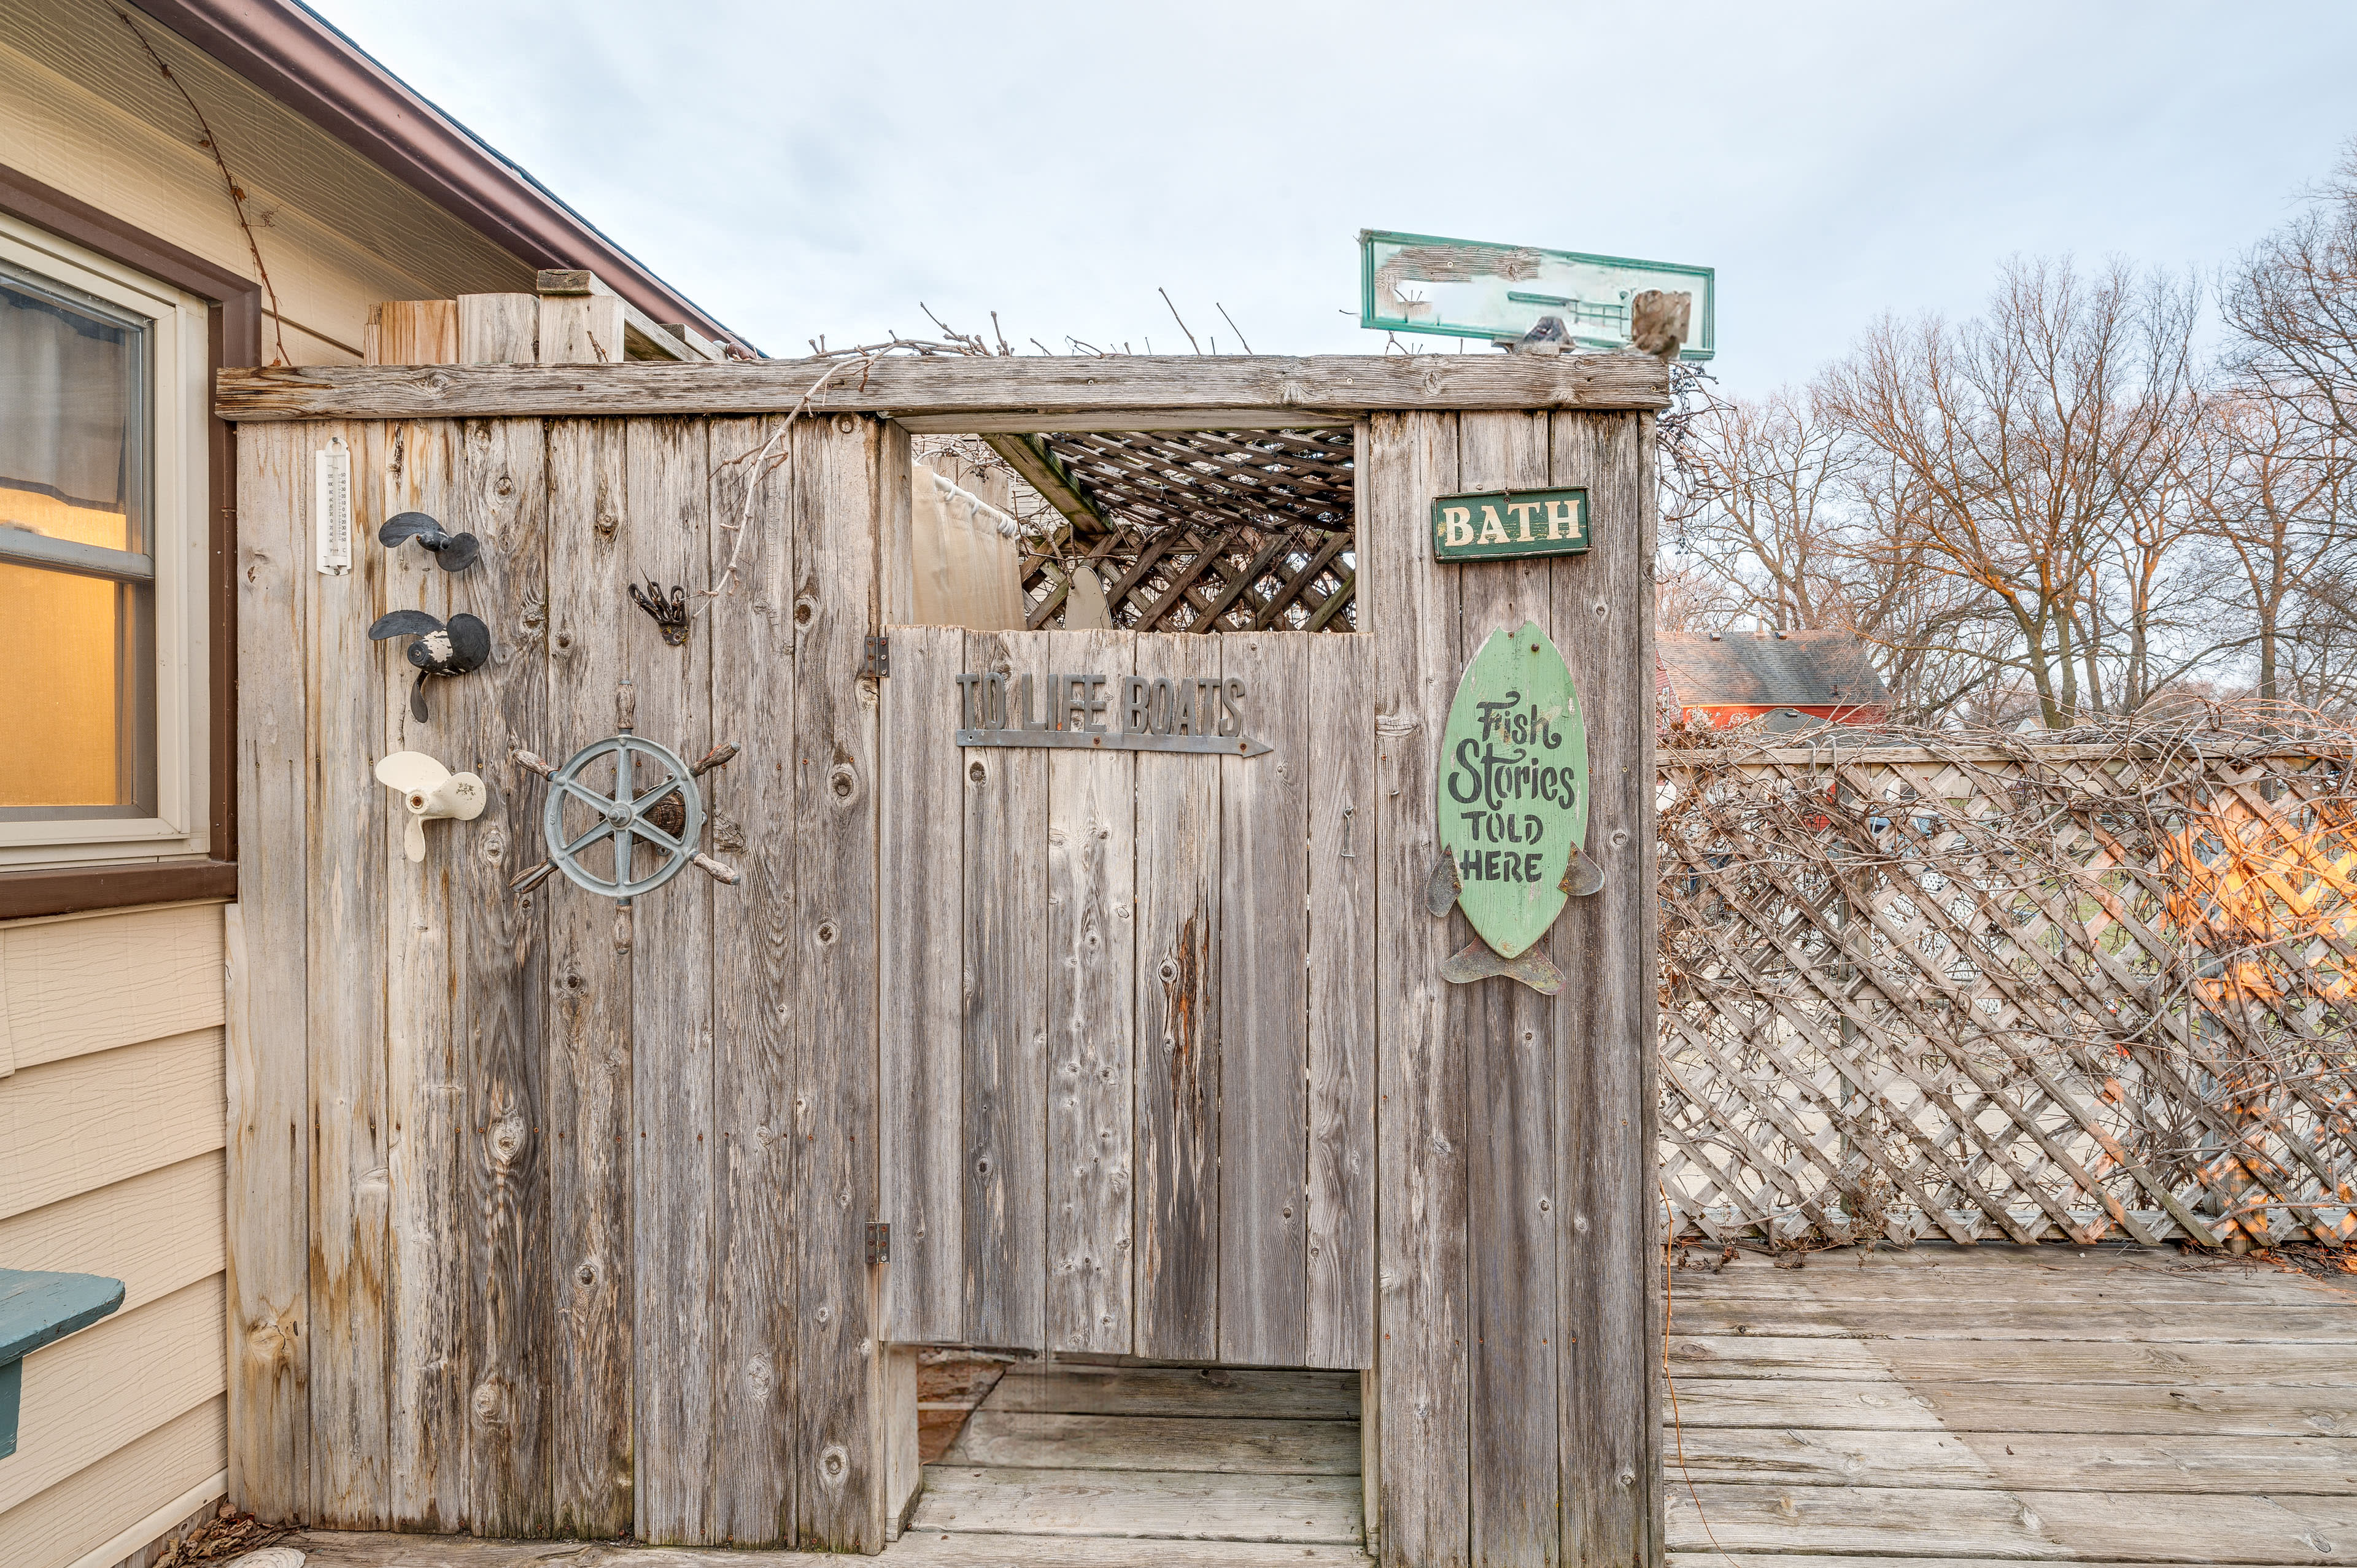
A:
(1127, 1010)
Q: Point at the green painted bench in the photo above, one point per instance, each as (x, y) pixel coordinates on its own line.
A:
(35, 1310)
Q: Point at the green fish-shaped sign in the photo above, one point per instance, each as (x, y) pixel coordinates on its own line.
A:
(1513, 787)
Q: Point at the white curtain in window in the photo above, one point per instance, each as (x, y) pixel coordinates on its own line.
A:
(967, 570)
(64, 401)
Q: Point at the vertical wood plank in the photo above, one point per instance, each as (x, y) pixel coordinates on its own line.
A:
(498, 328)
(1510, 1108)
(896, 585)
(1405, 461)
(903, 1456)
(346, 818)
(424, 1083)
(840, 1471)
(1264, 1008)
(1609, 1407)
(1091, 963)
(919, 930)
(670, 1001)
(592, 1139)
(754, 1003)
(1642, 1128)
(269, 1227)
(1340, 786)
(580, 329)
(1179, 879)
(499, 957)
(412, 332)
(1005, 1020)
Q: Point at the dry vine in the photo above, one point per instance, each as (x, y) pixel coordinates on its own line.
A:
(1236, 530)
(1923, 983)
(777, 452)
(212, 144)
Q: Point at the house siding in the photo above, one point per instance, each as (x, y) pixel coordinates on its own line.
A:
(112, 1125)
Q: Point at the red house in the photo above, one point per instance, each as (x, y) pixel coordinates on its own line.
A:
(1791, 679)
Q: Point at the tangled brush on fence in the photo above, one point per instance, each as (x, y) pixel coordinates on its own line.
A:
(1919, 983)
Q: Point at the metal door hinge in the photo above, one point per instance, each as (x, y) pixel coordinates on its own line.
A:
(880, 1241)
(879, 658)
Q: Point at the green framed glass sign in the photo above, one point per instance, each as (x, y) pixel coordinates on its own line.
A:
(1477, 288)
(1498, 525)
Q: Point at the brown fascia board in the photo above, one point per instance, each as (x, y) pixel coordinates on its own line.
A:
(296, 58)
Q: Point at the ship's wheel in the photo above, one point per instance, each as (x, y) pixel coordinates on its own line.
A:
(623, 816)
(623, 792)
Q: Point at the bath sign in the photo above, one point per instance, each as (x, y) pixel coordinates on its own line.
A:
(1498, 525)
(1513, 787)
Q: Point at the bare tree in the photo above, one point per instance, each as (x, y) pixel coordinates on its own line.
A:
(2020, 435)
(2271, 479)
(1937, 636)
(1761, 508)
(2294, 301)
(2146, 628)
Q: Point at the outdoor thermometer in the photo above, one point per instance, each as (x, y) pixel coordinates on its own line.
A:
(331, 489)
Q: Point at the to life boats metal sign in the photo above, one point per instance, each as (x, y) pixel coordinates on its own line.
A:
(1106, 712)
(1512, 786)
(1500, 525)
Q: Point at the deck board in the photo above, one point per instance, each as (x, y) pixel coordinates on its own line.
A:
(2317, 1364)
(2314, 1466)
(1905, 1522)
(2192, 1408)
(1005, 1438)
(1081, 1390)
(1167, 1505)
(1174, 1465)
(1946, 1406)
(2252, 1322)
(935, 1550)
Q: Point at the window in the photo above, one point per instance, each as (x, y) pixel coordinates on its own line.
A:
(102, 712)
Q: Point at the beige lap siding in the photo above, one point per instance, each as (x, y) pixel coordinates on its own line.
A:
(111, 1114)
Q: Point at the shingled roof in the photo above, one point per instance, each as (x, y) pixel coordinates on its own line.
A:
(1794, 670)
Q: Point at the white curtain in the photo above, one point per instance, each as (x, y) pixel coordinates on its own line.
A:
(964, 552)
(66, 381)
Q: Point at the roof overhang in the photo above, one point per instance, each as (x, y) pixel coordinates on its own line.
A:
(296, 58)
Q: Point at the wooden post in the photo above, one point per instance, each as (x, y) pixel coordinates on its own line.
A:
(1517, 1321)
(757, 1242)
(268, 947)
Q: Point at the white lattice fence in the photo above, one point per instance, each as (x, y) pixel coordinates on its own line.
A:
(2009, 992)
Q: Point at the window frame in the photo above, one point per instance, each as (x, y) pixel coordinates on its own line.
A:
(176, 389)
(202, 864)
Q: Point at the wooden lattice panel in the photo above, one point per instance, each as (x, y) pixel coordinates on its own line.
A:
(1211, 529)
(2008, 993)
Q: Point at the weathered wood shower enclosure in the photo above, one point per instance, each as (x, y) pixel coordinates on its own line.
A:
(551, 1218)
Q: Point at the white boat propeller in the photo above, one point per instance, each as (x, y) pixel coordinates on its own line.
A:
(430, 791)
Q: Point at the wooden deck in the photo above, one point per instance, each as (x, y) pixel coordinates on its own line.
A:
(1074, 1466)
(1156, 1465)
(1950, 1405)
(1938, 1407)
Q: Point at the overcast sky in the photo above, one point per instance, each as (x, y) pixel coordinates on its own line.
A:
(799, 169)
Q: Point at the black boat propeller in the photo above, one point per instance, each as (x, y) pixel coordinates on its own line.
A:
(452, 551)
(462, 645)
